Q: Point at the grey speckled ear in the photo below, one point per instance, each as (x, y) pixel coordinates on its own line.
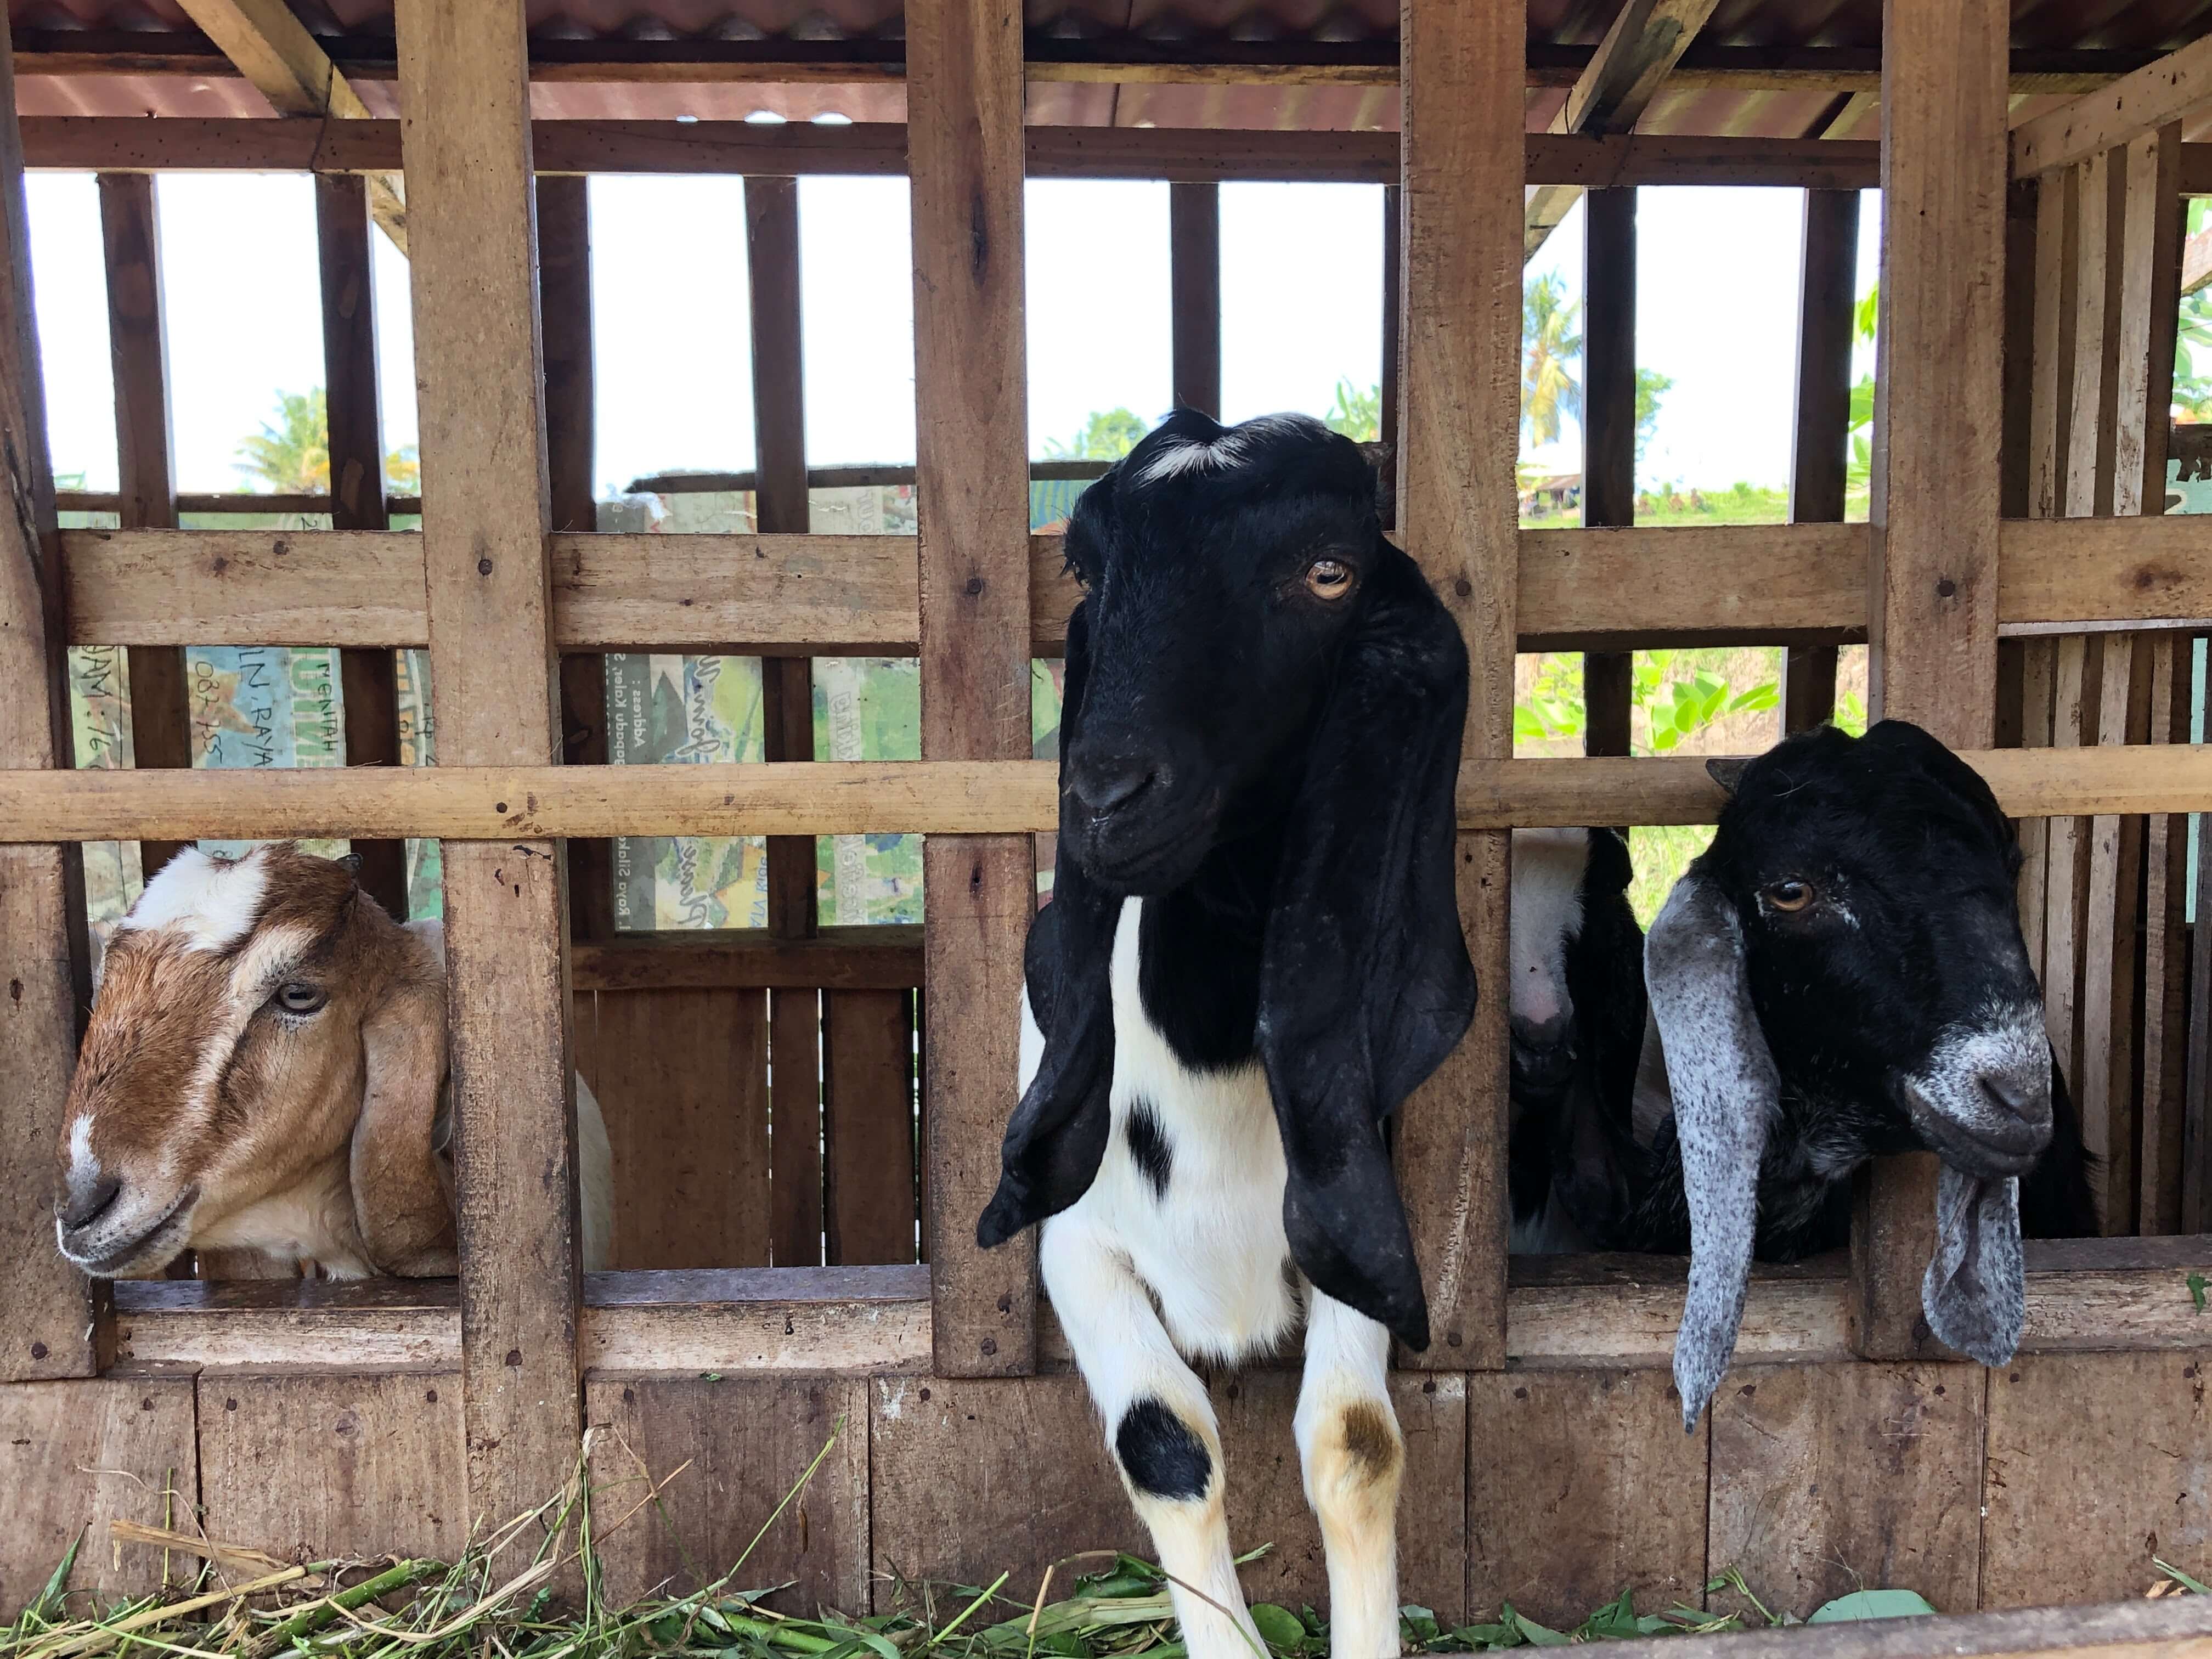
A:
(1975, 1293)
(1725, 1091)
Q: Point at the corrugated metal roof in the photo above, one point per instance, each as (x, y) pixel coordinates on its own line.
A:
(1364, 30)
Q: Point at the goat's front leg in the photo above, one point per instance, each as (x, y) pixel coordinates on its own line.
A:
(1353, 1458)
(1160, 1425)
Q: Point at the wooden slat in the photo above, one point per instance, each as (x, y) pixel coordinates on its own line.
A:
(1647, 38)
(748, 1441)
(1578, 589)
(2171, 1627)
(564, 309)
(1194, 296)
(2091, 1462)
(75, 1456)
(368, 679)
(965, 106)
(1608, 434)
(161, 710)
(681, 1077)
(1457, 510)
(274, 1450)
(1608, 1493)
(2112, 116)
(944, 798)
(1938, 414)
(479, 383)
(55, 1322)
(2099, 189)
(874, 958)
(82, 143)
(1830, 1477)
(2106, 1080)
(2166, 984)
(2066, 876)
(1819, 459)
(868, 1118)
(2150, 304)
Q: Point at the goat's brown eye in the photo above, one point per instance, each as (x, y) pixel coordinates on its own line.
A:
(1789, 896)
(1328, 579)
(302, 999)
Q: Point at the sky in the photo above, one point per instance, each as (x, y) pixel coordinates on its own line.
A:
(1302, 273)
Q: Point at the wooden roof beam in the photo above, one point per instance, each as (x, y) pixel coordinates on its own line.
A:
(1631, 62)
(2095, 122)
(273, 49)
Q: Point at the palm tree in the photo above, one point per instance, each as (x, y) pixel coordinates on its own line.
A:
(293, 456)
(1549, 343)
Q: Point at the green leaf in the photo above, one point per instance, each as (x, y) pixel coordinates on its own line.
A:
(51, 1597)
(1536, 1635)
(2196, 1290)
(2180, 1577)
(1872, 1604)
(1278, 1627)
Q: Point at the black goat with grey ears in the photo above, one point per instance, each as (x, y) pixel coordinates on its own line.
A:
(1252, 956)
(1841, 975)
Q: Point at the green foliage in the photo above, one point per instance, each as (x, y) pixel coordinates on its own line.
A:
(1650, 387)
(1550, 343)
(291, 455)
(1107, 435)
(1358, 414)
(2192, 357)
(1872, 1604)
(1676, 704)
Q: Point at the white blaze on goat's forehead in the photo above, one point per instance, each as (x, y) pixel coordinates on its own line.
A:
(211, 902)
(1546, 913)
(1232, 447)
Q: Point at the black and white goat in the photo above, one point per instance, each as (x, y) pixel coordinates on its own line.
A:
(1577, 1020)
(1252, 956)
(1840, 975)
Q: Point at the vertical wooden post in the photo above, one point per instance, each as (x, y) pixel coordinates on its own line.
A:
(368, 679)
(1938, 417)
(1194, 295)
(1462, 182)
(1609, 432)
(564, 312)
(1386, 421)
(479, 375)
(1818, 463)
(160, 709)
(787, 716)
(55, 1325)
(965, 157)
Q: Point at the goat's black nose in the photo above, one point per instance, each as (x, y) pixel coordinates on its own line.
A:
(2018, 1095)
(1107, 786)
(86, 1201)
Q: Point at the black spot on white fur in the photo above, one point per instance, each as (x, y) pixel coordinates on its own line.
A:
(1159, 1452)
(1148, 1146)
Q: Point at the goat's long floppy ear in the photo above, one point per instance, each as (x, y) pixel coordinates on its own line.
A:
(1725, 1089)
(1975, 1290)
(1364, 981)
(399, 1195)
(1057, 1132)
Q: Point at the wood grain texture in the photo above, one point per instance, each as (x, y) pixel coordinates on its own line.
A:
(160, 707)
(75, 1456)
(2100, 190)
(1461, 193)
(1932, 626)
(2109, 1099)
(306, 1468)
(681, 1077)
(479, 381)
(2066, 874)
(564, 309)
(869, 1128)
(1581, 1484)
(940, 1443)
(1826, 1478)
(2109, 117)
(54, 1319)
(2174, 1627)
(2097, 1463)
(1194, 296)
(368, 680)
(1827, 334)
(746, 1442)
(966, 155)
(2165, 945)
(1609, 432)
(871, 958)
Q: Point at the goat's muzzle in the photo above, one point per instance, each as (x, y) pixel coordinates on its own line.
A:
(1543, 1056)
(1133, 819)
(112, 1230)
(1983, 1103)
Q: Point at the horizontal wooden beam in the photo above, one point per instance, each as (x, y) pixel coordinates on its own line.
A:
(870, 958)
(2161, 1629)
(193, 144)
(1602, 1312)
(783, 595)
(2099, 121)
(823, 798)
